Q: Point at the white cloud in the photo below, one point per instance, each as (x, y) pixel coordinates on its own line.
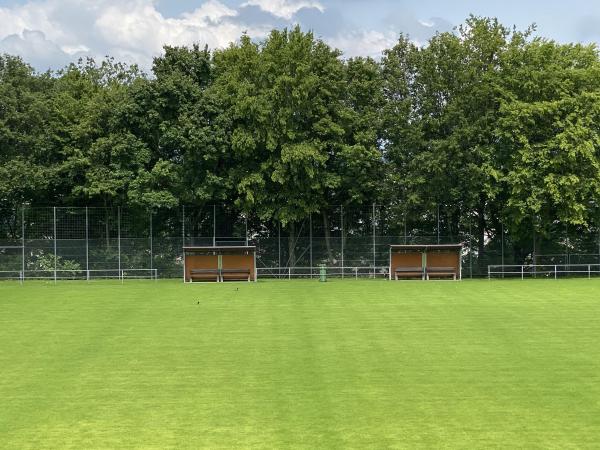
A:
(364, 42)
(37, 50)
(51, 33)
(133, 31)
(285, 8)
(71, 50)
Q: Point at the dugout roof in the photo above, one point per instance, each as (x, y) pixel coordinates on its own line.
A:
(219, 250)
(426, 247)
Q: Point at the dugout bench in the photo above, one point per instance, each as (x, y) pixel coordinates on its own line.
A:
(425, 262)
(219, 264)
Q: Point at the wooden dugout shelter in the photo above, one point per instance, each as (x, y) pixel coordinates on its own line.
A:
(425, 261)
(219, 263)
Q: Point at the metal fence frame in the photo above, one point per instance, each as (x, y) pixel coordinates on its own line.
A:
(353, 242)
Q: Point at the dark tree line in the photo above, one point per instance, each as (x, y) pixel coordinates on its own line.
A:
(489, 125)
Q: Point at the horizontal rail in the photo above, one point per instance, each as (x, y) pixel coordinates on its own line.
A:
(79, 274)
(313, 272)
(528, 270)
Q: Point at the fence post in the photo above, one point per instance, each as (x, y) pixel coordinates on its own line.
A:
(119, 239)
(502, 245)
(521, 272)
(55, 253)
(374, 250)
(342, 236)
(438, 223)
(214, 225)
(151, 245)
(310, 235)
(589, 272)
(568, 261)
(183, 239)
(87, 245)
(534, 257)
(470, 249)
(555, 272)
(23, 241)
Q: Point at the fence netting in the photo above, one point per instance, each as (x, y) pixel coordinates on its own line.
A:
(349, 241)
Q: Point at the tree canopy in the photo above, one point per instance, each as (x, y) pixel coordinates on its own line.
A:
(489, 124)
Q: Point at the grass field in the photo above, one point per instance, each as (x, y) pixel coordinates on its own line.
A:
(354, 364)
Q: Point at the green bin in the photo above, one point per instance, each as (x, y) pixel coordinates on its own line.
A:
(322, 273)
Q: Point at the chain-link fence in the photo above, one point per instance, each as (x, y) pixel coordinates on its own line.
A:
(58, 242)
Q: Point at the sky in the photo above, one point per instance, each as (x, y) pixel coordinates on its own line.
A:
(51, 33)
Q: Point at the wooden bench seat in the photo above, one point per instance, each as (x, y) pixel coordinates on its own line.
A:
(408, 272)
(205, 274)
(441, 272)
(236, 274)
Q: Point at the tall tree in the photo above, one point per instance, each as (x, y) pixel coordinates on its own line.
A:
(284, 99)
(550, 137)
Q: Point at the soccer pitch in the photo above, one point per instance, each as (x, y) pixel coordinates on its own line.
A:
(300, 364)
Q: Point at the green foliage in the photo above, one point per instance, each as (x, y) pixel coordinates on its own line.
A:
(489, 124)
(48, 262)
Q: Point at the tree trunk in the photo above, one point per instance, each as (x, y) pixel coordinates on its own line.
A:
(327, 237)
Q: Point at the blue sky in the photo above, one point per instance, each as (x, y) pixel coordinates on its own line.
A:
(51, 33)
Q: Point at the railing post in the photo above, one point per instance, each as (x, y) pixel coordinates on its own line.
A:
(522, 275)
(555, 272)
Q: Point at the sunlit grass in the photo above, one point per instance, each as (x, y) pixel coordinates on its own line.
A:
(301, 364)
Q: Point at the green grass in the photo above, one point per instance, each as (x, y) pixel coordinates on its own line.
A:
(354, 364)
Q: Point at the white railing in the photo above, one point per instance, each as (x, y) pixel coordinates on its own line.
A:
(542, 270)
(11, 275)
(80, 274)
(313, 272)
